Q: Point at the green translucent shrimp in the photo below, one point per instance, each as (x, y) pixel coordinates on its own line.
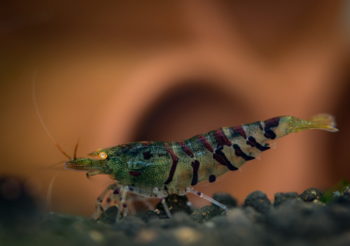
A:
(157, 169)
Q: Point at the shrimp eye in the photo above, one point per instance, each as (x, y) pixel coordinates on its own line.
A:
(102, 155)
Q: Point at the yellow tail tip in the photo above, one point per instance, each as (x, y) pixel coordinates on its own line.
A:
(324, 122)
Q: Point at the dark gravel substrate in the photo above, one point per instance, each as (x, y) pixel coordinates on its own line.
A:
(310, 218)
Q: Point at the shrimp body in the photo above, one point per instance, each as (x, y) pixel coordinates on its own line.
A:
(162, 168)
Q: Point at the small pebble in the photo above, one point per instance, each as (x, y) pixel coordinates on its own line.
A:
(206, 213)
(109, 216)
(342, 199)
(96, 236)
(311, 194)
(175, 204)
(281, 197)
(259, 201)
(347, 190)
(225, 199)
(146, 236)
(149, 215)
(238, 217)
(187, 235)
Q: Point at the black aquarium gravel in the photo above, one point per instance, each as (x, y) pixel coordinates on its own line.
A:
(309, 218)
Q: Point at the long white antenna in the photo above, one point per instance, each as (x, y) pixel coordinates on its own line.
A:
(49, 193)
(36, 107)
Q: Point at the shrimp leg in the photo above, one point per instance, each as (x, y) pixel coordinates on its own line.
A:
(101, 197)
(205, 197)
(123, 208)
(166, 208)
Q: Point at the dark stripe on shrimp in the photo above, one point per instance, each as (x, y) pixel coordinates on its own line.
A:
(212, 178)
(220, 157)
(173, 166)
(221, 138)
(205, 143)
(195, 166)
(135, 173)
(238, 130)
(240, 153)
(252, 142)
(186, 149)
(271, 123)
(147, 155)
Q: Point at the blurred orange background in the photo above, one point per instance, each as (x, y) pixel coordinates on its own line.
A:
(123, 71)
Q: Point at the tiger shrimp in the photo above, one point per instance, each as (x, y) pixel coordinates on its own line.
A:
(158, 169)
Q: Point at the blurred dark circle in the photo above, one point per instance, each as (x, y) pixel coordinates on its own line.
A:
(192, 106)
(17, 204)
(10, 189)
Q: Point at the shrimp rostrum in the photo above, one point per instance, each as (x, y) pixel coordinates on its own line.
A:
(158, 169)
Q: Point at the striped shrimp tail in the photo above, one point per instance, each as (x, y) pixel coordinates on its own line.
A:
(321, 122)
(324, 122)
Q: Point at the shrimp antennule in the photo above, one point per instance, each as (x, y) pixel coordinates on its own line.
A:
(76, 149)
